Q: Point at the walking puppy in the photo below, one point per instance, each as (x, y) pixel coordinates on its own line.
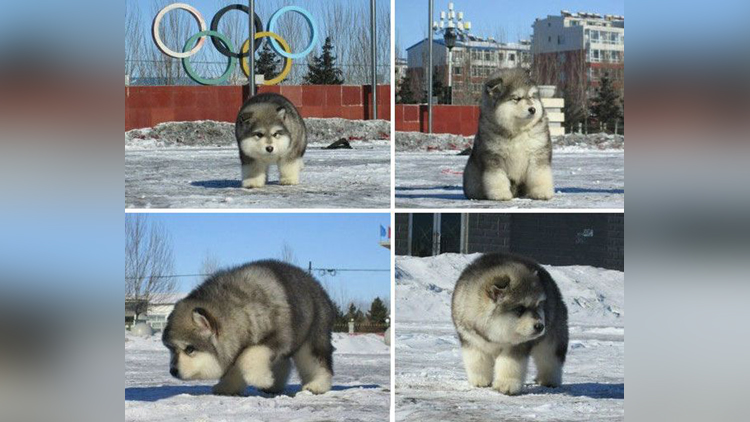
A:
(512, 152)
(244, 325)
(506, 308)
(269, 130)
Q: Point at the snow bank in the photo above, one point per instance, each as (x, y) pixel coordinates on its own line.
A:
(203, 133)
(424, 286)
(417, 141)
(359, 344)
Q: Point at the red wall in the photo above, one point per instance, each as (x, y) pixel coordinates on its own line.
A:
(459, 120)
(146, 106)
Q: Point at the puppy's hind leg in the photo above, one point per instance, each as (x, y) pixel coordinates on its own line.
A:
(315, 367)
(549, 363)
(254, 174)
(281, 370)
(478, 366)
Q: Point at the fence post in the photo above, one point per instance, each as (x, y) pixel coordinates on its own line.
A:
(351, 326)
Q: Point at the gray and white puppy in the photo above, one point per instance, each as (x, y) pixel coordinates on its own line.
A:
(270, 130)
(244, 325)
(506, 308)
(512, 152)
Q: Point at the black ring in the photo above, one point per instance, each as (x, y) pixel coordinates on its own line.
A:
(215, 27)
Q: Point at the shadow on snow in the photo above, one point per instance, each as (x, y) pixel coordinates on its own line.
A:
(152, 394)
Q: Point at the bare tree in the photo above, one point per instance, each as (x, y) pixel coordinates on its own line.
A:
(133, 38)
(287, 254)
(148, 260)
(210, 263)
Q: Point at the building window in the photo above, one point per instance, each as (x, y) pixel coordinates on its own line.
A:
(560, 39)
(488, 55)
(500, 55)
(457, 70)
(549, 39)
(512, 57)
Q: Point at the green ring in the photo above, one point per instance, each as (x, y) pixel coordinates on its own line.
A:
(186, 61)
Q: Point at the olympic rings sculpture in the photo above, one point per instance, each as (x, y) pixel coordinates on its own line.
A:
(224, 45)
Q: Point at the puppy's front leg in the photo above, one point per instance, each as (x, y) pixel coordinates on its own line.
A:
(497, 185)
(254, 174)
(231, 384)
(255, 363)
(510, 372)
(478, 366)
(539, 182)
(289, 171)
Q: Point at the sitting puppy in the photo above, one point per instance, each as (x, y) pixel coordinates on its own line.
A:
(506, 308)
(512, 153)
(269, 130)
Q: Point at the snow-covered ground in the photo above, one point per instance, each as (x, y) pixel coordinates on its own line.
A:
(206, 177)
(430, 379)
(196, 165)
(361, 388)
(584, 178)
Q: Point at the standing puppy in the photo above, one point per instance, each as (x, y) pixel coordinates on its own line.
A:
(512, 152)
(269, 130)
(506, 308)
(244, 325)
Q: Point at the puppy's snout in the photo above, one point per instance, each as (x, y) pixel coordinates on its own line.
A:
(269, 148)
(173, 371)
(532, 110)
(538, 327)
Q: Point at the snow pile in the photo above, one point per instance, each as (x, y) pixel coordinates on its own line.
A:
(209, 133)
(417, 141)
(359, 344)
(424, 286)
(592, 141)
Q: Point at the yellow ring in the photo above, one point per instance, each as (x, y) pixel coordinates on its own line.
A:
(287, 62)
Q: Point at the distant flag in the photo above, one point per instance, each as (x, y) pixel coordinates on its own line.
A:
(383, 231)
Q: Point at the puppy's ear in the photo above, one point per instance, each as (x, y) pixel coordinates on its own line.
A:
(244, 116)
(497, 287)
(281, 111)
(494, 87)
(205, 322)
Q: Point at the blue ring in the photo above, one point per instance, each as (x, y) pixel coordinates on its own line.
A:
(310, 22)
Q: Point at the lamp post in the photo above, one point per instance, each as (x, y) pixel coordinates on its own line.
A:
(452, 26)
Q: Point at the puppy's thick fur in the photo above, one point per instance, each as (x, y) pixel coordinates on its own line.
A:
(506, 308)
(245, 325)
(512, 152)
(270, 130)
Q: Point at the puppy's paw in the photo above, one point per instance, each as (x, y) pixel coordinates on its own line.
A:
(480, 380)
(509, 386)
(541, 193)
(318, 386)
(549, 381)
(261, 380)
(224, 388)
(287, 181)
(499, 195)
(253, 183)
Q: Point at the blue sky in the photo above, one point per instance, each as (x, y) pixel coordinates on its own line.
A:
(515, 17)
(328, 240)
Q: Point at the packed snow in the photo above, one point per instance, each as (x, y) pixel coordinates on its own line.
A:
(583, 179)
(430, 379)
(418, 141)
(196, 165)
(361, 388)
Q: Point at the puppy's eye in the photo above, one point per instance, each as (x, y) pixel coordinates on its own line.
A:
(258, 135)
(516, 99)
(519, 310)
(277, 134)
(189, 350)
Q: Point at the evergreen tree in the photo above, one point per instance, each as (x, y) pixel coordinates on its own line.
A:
(605, 107)
(267, 62)
(378, 312)
(354, 314)
(323, 70)
(405, 94)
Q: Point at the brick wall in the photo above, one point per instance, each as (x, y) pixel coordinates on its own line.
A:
(459, 120)
(489, 233)
(146, 106)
